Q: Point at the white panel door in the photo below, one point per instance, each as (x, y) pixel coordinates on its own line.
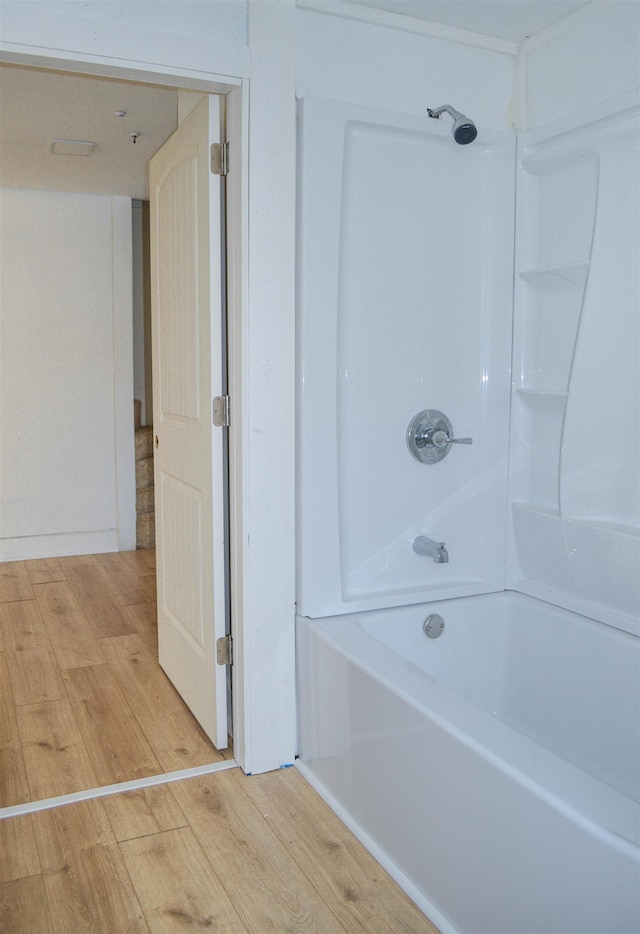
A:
(187, 309)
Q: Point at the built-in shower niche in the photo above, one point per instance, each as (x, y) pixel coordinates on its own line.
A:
(538, 417)
(558, 193)
(551, 303)
(574, 441)
(559, 189)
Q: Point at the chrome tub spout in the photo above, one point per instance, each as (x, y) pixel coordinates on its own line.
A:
(426, 546)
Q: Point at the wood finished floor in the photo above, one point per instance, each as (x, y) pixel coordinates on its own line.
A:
(83, 700)
(224, 853)
(84, 703)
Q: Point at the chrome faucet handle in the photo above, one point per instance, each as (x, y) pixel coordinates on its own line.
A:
(430, 435)
(437, 438)
(423, 437)
(440, 439)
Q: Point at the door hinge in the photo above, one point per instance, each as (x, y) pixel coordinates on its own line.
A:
(224, 650)
(220, 158)
(221, 411)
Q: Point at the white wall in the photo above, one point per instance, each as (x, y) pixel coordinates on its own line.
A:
(66, 452)
(590, 58)
(163, 36)
(269, 389)
(262, 326)
(368, 63)
(217, 19)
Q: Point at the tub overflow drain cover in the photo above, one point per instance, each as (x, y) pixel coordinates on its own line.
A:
(433, 626)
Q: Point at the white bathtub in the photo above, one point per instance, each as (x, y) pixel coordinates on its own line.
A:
(494, 768)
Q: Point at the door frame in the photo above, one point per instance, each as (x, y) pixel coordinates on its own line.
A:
(235, 94)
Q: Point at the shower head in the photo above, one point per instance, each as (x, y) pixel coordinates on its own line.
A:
(464, 130)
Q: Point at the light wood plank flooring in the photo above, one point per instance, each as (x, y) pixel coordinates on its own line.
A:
(83, 703)
(83, 700)
(224, 852)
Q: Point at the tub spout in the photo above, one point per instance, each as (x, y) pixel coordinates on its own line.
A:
(426, 546)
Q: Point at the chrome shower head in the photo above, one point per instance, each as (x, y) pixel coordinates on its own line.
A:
(464, 130)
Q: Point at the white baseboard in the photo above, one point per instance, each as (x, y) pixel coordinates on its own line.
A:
(57, 545)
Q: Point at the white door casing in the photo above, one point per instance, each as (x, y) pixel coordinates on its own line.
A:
(187, 309)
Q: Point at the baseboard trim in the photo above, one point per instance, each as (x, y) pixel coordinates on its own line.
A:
(58, 545)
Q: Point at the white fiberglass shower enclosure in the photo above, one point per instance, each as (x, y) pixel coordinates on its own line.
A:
(409, 246)
(493, 769)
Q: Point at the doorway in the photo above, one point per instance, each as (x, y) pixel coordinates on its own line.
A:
(75, 589)
(142, 376)
(84, 701)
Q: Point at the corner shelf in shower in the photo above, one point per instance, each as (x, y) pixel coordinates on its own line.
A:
(561, 558)
(566, 276)
(538, 418)
(527, 507)
(551, 304)
(546, 400)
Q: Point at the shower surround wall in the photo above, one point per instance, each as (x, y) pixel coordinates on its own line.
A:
(381, 320)
(575, 516)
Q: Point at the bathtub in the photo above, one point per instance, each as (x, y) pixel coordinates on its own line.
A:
(494, 769)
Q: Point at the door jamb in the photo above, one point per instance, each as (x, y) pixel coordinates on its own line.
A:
(235, 89)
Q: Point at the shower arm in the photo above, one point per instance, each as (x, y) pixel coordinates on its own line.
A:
(446, 108)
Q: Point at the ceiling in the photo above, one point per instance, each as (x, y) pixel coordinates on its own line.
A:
(39, 106)
(513, 20)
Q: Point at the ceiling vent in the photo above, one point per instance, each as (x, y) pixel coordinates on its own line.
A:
(71, 147)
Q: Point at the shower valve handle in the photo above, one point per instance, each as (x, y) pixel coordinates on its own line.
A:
(430, 436)
(456, 441)
(438, 438)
